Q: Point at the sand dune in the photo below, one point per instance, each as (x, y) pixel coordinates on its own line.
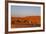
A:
(28, 21)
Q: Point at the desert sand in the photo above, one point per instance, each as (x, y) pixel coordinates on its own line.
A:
(28, 21)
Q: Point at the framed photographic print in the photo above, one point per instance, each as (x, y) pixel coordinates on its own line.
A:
(25, 16)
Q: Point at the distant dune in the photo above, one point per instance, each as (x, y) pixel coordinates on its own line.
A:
(28, 21)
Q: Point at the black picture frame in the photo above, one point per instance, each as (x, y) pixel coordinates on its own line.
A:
(6, 16)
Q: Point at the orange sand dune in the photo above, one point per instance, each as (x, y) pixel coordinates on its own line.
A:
(34, 20)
